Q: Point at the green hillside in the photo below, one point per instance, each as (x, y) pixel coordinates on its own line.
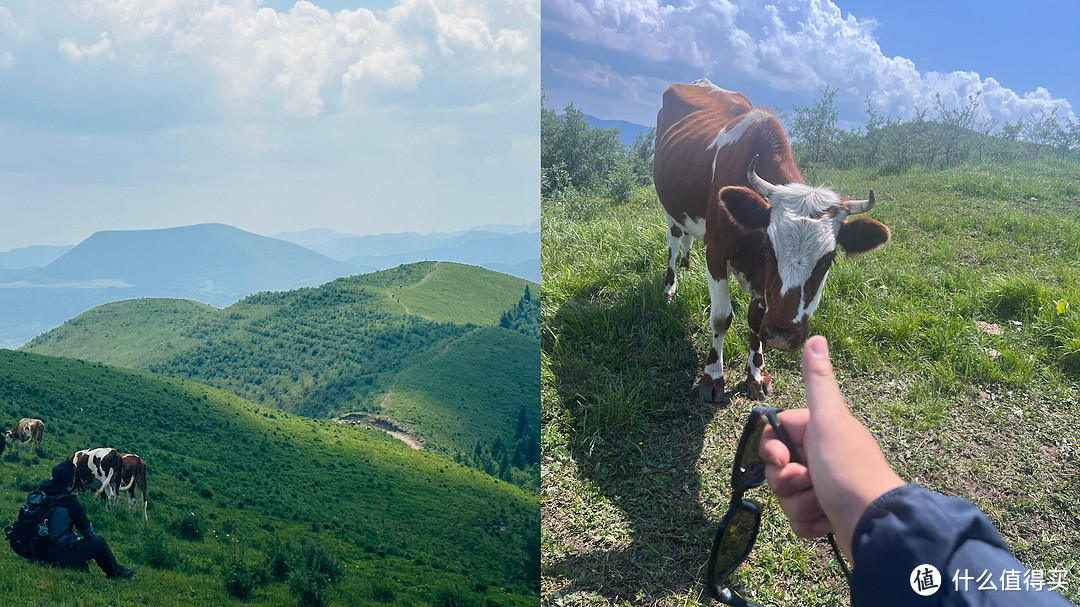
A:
(232, 484)
(449, 292)
(354, 344)
(130, 333)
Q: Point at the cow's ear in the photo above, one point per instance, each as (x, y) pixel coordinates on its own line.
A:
(862, 235)
(746, 207)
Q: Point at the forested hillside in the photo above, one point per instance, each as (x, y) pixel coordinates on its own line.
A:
(420, 344)
(248, 502)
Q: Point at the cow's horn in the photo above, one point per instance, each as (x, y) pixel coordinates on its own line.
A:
(760, 185)
(855, 207)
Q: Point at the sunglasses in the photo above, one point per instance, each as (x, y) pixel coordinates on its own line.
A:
(739, 528)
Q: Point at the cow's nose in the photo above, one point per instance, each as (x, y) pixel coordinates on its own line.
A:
(781, 337)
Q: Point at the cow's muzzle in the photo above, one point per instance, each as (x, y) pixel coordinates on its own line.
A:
(786, 338)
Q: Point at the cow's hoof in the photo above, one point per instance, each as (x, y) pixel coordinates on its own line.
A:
(758, 390)
(712, 390)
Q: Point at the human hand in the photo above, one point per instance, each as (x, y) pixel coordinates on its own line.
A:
(845, 470)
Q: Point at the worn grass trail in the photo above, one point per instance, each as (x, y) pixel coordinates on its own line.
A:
(958, 345)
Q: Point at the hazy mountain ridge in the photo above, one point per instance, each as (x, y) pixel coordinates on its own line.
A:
(499, 248)
(218, 265)
(628, 131)
(34, 256)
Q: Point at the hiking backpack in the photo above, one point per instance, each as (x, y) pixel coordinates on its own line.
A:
(29, 534)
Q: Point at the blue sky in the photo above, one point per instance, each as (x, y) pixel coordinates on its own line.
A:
(614, 58)
(359, 116)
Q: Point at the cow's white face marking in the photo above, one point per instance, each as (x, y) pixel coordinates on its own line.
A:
(728, 136)
(802, 231)
(807, 309)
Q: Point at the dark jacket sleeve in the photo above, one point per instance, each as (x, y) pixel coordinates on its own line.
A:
(911, 527)
(78, 516)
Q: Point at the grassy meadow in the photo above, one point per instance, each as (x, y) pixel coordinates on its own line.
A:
(250, 505)
(958, 345)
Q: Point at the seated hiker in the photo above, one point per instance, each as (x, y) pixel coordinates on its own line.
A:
(66, 548)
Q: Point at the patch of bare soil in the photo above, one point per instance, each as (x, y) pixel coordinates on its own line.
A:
(400, 431)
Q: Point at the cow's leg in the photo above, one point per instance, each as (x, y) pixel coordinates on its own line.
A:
(685, 242)
(758, 382)
(712, 381)
(678, 242)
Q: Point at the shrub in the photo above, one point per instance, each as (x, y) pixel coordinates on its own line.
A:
(307, 586)
(317, 560)
(154, 552)
(452, 596)
(382, 593)
(187, 528)
(310, 573)
(239, 581)
(277, 564)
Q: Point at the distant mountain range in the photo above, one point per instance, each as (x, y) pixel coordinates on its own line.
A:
(628, 131)
(216, 264)
(492, 247)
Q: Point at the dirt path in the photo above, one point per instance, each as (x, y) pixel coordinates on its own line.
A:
(401, 432)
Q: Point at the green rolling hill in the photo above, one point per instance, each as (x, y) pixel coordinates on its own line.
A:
(420, 344)
(233, 482)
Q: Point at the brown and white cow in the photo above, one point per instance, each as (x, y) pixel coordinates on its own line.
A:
(101, 467)
(724, 173)
(28, 430)
(132, 477)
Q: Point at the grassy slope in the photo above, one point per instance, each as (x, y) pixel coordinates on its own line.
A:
(129, 333)
(461, 294)
(338, 348)
(636, 467)
(256, 478)
(489, 394)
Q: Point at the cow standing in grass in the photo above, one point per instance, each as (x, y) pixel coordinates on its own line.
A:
(133, 476)
(99, 467)
(28, 430)
(724, 173)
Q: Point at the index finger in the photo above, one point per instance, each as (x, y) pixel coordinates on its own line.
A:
(772, 449)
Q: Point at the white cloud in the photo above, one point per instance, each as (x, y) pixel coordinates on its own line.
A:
(307, 61)
(788, 45)
(74, 52)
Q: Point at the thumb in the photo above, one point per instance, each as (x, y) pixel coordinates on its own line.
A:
(823, 397)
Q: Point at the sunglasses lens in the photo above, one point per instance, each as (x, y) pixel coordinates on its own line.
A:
(749, 469)
(733, 542)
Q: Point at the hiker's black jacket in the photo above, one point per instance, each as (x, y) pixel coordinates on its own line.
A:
(911, 527)
(68, 515)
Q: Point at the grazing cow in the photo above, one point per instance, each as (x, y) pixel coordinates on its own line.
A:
(724, 173)
(101, 466)
(133, 476)
(28, 430)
